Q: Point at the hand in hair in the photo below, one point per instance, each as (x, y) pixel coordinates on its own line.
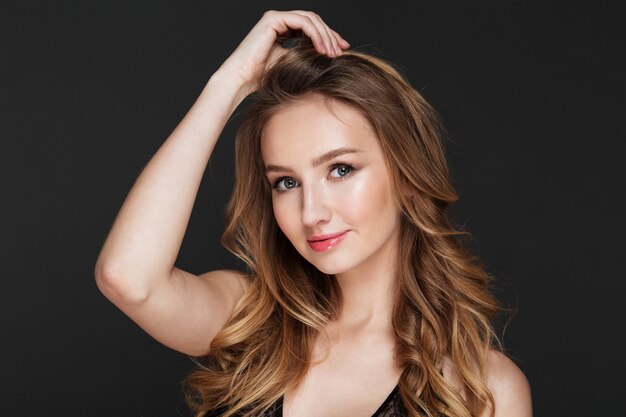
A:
(135, 268)
(261, 47)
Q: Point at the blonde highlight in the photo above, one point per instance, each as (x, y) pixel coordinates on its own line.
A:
(443, 306)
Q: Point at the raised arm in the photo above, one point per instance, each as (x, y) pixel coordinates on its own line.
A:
(135, 269)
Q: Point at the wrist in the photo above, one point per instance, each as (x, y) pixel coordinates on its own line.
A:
(229, 84)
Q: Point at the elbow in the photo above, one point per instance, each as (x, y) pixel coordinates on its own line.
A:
(118, 287)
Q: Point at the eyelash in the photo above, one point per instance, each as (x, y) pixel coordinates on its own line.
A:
(332, 168)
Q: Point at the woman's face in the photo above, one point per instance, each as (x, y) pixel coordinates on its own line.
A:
(328, 177)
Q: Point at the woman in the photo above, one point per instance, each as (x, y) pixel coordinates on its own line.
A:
(358, 299)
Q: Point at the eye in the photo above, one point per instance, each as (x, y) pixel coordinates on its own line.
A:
(284, 184)
(289, 183)
(343, 170)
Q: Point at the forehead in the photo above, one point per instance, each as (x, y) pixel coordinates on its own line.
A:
(313, 126)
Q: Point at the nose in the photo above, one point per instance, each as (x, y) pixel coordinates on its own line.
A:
(315, 206)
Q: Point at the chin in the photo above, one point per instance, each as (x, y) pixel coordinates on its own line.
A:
(329, 271)
(329, 268)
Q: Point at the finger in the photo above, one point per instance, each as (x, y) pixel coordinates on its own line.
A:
(333, 38)
(342, 42)
(290, 20)
(329, 43)
(335, 46)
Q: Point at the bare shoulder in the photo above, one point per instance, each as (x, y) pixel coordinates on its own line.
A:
(227, 284)
(509, 386)
(237, 280)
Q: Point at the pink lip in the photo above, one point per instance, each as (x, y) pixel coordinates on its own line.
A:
(324, 237)
(321, 243)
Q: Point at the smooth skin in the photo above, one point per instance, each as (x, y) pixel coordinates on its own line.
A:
(136, 271)
(350, 191)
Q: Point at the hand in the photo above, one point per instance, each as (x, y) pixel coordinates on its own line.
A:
(260, 48)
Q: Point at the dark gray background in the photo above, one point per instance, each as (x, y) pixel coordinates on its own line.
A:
(532, 94)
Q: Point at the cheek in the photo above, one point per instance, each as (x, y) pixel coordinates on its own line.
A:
(365, 200)
(285, 215)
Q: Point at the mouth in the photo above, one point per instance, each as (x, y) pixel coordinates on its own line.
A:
(317, 238)
(322, 243)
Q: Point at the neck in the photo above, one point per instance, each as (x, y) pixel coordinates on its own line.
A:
(367, 293)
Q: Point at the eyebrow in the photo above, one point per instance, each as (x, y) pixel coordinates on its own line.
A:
(317, 161)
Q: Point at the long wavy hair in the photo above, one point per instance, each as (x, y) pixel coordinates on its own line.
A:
(443, 307)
